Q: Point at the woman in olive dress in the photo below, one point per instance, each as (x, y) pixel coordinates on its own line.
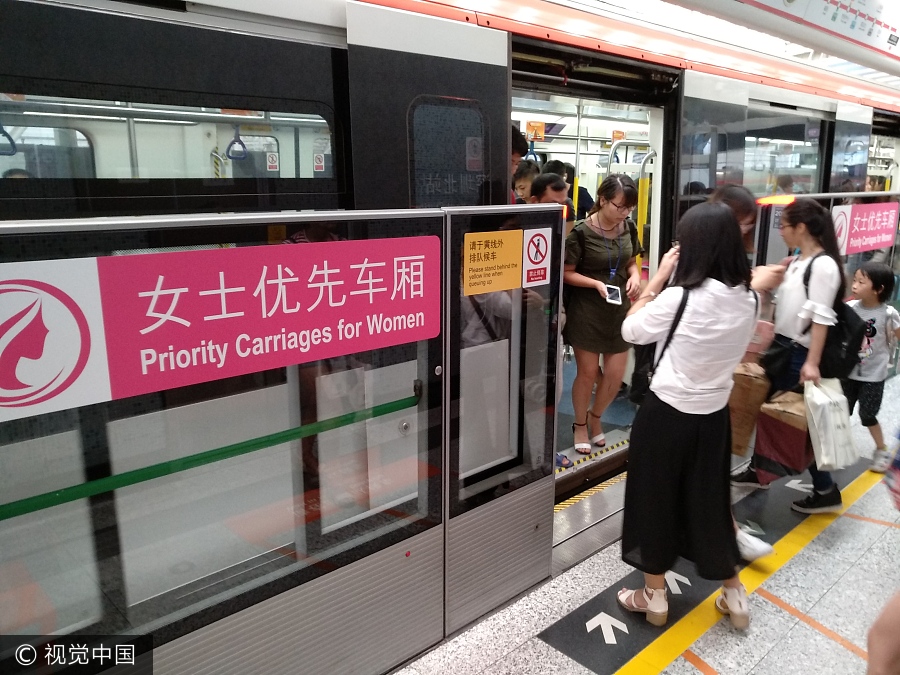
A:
(594, 325)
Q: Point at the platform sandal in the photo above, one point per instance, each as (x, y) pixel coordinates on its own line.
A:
(585, 447)
(656, 609)
(598, 440)
(733, 603)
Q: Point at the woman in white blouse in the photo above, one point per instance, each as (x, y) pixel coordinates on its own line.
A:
(802, 318)
(677, 499)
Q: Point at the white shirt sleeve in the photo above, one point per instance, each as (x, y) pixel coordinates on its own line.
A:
(824, 281)
(651, 322)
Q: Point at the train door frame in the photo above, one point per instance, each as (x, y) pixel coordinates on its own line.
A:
(553, 68)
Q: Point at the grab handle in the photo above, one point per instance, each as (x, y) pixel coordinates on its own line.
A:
(11, 150)
(236, 142)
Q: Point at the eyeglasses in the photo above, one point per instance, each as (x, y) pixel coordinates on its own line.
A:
(622, 209)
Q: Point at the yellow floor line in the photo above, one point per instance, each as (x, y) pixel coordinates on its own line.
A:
(589, 492)
(587, 458)
(657, 656)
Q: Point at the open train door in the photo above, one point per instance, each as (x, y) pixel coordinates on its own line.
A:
(602, 114)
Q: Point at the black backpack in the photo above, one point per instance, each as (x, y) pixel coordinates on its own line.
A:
(841, 353)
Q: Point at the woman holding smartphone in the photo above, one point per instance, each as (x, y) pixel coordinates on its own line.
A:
(604, 278)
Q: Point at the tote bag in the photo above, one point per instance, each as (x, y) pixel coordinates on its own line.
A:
(828, 417)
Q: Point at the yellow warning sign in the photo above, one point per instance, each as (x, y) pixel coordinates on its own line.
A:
(492, 261)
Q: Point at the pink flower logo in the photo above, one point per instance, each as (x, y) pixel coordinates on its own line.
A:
(44, 342)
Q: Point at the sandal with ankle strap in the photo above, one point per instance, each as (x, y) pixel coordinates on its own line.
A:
(598, 440)
(733, 603)
(656, 609)
(584, 448)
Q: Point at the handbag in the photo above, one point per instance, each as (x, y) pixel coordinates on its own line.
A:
(828, 419)
(776, 359)
(643, 359)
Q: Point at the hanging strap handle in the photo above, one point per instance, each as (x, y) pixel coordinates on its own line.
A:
(236, 142)
(11, 150)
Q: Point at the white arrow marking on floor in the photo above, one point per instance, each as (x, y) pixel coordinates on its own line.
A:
(672, 578)
(751, 528)
(607, 623)
(800, 487)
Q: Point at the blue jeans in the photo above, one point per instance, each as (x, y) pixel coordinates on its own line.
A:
(822, 481)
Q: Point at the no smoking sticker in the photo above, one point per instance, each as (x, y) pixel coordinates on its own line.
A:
(536, 257)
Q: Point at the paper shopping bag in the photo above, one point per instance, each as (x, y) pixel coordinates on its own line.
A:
(747, 396)
(828, 417)
(782, 444)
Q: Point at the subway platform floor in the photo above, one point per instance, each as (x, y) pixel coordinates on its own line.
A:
(812, 601)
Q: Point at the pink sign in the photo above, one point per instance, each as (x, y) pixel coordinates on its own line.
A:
(174, 319)
(865, 227)
(81, 331)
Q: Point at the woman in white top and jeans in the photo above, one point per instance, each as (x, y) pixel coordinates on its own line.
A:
(802, 320)
(677, 499)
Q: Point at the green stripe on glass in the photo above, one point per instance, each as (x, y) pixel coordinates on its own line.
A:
(101, 485)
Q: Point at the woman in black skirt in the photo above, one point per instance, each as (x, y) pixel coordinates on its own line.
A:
(677, 499)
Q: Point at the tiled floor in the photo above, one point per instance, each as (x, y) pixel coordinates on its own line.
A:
(809, 616)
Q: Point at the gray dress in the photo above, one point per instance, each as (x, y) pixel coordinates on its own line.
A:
(592, 323)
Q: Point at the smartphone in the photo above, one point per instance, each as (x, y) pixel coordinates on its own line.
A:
(613, 295)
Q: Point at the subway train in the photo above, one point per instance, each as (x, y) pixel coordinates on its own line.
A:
(166, 126)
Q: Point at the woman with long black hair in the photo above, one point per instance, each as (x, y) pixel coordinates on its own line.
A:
(802, 318)
(677, 499)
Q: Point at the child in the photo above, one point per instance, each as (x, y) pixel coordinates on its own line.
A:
(523, 177)
(873, 283)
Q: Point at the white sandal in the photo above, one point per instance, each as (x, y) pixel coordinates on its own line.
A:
(656, 609)
(733, 604)
(599, 439)
(583, 448)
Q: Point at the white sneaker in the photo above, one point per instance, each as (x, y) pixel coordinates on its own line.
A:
(881, 460)
(752, 548)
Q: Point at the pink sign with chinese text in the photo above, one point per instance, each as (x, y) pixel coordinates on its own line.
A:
(175, 319)
(865, 227)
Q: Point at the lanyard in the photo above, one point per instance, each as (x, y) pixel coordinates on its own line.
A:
(612, 270)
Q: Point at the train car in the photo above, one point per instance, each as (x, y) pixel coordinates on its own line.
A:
(174, 110)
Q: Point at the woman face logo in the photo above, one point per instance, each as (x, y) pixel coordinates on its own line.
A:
(841, 228)
(44, 342)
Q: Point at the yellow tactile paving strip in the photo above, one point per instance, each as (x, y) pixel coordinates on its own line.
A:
(587, 493)
(593, 455)
(677, 640)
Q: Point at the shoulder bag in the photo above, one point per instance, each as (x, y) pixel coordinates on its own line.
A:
(643, 359)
